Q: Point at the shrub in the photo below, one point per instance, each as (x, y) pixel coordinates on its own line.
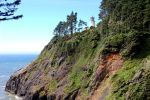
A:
(116, 40)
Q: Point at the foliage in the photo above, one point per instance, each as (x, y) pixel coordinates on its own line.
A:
(61, 29)
(51, 86)
(8, 8)
(123, 16)
(72, 21)
(81, 24)
(69, 26)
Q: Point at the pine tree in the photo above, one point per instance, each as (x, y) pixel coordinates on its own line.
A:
(81, 24)
(8, 9)
(72, 21)
(121, 16)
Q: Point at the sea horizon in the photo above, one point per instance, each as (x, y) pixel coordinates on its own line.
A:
(19, 53)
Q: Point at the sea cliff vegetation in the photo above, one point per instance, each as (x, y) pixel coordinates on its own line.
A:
(110, 61)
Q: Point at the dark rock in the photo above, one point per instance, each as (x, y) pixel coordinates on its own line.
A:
(51, 97)
(12, 85)
(43, 97)
(61, 60)
(136, 77)
(72, 95)
(35, 96)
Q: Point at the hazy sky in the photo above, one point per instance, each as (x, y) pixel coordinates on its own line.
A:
(31, 33)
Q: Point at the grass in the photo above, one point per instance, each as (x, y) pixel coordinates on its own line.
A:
(51, 86)
(79, 77)
(133, 91)
(82, 53)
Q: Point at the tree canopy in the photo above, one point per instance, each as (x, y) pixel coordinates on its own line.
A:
(70, 25)
(81, 24)
(124, 15)
(72, 21)
(8, 9)
(126, 23)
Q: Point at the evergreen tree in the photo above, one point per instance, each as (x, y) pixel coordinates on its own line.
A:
(81, 24)
(69, 26)
(121, 16)
(61, 29)
(72, 21)
(8, 9)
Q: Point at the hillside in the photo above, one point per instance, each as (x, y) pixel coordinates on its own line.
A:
(110, 61)
(76, 67)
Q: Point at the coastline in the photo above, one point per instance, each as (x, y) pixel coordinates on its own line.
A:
(10, 64)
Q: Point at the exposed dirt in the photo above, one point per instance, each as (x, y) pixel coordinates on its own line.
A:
(108, 66)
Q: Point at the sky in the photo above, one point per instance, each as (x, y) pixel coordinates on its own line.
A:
(30, 34)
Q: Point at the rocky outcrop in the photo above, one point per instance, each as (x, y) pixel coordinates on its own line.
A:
(45, 78)
(73, 70)
(32, 86)
(66, 70)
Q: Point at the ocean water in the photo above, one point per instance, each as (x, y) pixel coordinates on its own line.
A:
(8, 65)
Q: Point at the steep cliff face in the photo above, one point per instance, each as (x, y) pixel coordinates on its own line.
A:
(63, 70)
(84, 66)
(66, 68)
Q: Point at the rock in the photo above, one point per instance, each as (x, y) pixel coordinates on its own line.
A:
(51, 97)
(72, 95)
(136, 77)
(54, 73)
(12, 85)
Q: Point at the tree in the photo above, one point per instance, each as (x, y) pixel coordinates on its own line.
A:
(72, 21)
(8, 9)
(121, 16)
(58, 31)
(81, 24)
(61, 29)
(69, 26)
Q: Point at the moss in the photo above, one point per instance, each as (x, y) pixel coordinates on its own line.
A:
(80, 75)
(122, 87)
(51, 86)
(42, 93)
(121, 78)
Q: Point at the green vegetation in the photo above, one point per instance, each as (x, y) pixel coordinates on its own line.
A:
(126, 26)
(83, 49)
(80, 50)
(69, 26)
(124, 84)
(42, 93)
(51, 87)
(127, 21)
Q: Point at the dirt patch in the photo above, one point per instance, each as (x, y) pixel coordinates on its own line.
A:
(113, 62)
(108, 66)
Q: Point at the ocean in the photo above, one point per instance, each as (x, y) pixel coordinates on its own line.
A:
(8, 65)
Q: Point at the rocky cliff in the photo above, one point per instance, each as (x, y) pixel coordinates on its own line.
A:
(64, 69)
(84, 66)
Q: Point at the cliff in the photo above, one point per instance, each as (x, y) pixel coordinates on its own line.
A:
(110, 61)
(84, 66)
